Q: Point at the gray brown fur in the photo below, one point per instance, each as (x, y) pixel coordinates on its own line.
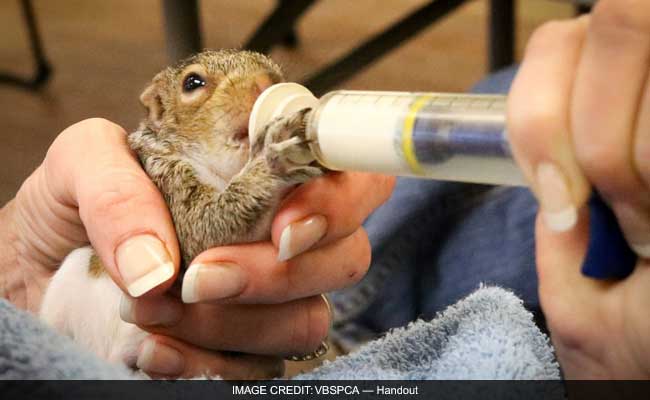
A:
(176, 134)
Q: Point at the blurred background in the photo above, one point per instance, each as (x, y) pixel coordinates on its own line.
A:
(103, 53)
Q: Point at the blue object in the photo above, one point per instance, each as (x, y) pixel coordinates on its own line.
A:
(608, 255)
(433, 242)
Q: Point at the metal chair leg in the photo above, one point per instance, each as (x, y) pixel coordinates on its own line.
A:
(379, 45)
(182, 28)
(291, 39)
(583, 9)
(279, 26)
(43, 70)
(502, 34)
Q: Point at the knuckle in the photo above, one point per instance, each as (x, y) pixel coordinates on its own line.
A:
(546, 38)
(623, 15)
(98, 124)
(606, 166)
(93, 127)
(116, 195)
(75, 133)
(85, 138)
(538, 126)
(597, 158)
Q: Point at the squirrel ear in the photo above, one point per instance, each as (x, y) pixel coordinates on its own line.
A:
(151, 100)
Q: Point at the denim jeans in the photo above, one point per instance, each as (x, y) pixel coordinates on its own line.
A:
(434, 243)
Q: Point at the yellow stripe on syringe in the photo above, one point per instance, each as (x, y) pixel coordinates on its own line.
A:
(408, 149)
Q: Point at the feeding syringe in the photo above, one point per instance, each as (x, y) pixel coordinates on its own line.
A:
(454, 137)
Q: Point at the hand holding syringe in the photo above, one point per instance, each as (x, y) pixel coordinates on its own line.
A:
(453, 137)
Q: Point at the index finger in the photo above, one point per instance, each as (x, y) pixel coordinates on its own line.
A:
(327, 209)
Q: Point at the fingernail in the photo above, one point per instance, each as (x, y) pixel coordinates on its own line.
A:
(144, 263)
(636, 226)
(160, 359)
(127, 309)
(155, 311)
(212, 281)
(555, 199)
(301, 235)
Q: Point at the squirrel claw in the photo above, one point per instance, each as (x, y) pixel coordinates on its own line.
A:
(286, 150)
(293, 150)
(279, 147)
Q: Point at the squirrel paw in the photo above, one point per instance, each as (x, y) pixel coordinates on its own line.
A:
(284, 146)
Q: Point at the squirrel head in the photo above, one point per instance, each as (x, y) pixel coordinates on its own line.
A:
(200, 107)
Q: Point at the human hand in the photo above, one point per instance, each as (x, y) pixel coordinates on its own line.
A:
(578, 113)
(91, 188)
(241, 295)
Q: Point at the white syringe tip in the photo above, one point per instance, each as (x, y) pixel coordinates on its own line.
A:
(279, 99)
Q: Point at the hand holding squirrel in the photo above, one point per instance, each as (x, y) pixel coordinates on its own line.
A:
(91, 187)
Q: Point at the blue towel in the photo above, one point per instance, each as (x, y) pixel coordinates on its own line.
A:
(487, 335)
(31, 350)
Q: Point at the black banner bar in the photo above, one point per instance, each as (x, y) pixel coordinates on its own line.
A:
(218, 390)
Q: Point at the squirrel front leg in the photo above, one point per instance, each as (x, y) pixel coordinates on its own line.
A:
(242, 212)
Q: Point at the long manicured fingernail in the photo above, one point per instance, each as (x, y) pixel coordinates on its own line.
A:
(636, 226)
(212, 281)
(301, 235)
(160, 359)
(157, 311)
(144, 263)
(558, 211)
(127, 309)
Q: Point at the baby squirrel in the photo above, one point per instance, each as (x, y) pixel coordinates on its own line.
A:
(220, 189)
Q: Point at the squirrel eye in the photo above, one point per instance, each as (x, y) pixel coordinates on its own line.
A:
(192, 82)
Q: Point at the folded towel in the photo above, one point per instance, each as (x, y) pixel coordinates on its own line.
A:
(487, 335)
(31, 350)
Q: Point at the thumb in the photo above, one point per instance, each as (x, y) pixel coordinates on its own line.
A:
(125, 216)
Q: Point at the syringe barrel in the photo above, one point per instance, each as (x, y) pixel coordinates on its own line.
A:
(438, 136)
